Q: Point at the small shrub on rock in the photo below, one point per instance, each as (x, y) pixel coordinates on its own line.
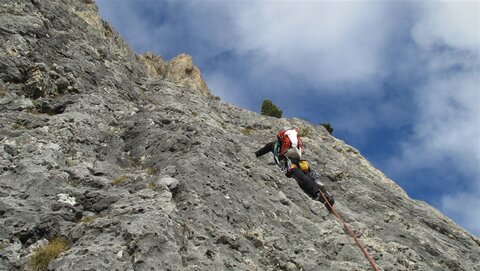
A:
(88, 219)
(42, 256)
(119, 180)
(328, 127)
(152, 186)
(151, 170)
(305, 132)
(270, 109)
(246, 131)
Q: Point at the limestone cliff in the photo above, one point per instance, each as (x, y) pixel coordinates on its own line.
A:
(143, 172)
(180, 70)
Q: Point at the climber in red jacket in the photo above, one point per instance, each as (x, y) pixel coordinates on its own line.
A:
(288, 150)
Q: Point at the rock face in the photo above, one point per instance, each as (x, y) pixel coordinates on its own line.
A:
(156, 66)
(180, 70)
(139, 173)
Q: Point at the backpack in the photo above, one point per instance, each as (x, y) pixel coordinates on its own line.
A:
(285, 138)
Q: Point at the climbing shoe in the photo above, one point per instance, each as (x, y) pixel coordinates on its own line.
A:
(318, 197)
(330, 210)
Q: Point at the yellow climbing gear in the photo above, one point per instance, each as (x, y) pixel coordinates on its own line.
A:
(304, 165)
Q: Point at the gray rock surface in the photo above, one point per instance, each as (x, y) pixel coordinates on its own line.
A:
(139, 173)
(179, 70)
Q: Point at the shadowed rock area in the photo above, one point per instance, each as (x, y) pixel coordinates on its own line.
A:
(135, 163)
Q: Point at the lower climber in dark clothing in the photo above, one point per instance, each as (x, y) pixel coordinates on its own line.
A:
(288, 150)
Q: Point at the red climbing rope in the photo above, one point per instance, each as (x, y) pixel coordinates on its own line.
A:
(350, 232)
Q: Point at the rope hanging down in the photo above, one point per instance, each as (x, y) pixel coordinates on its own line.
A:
(350, 232)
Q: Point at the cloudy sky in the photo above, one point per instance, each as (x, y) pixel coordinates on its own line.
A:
(398, 80)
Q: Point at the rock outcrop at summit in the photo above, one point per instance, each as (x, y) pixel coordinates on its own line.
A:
(144, 172)
(179, 70)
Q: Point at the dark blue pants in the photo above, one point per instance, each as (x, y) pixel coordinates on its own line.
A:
(306, 182)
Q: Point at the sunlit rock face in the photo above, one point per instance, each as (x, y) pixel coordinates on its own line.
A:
(135, 163)
(180, 71)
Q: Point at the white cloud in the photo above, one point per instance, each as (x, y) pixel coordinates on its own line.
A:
(463, 207)
(451, 23)
(227, 88)
(446, 131)
(321, 42)
(447, 126)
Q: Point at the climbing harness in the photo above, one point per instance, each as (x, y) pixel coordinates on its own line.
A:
(350, 232)
(285, 164)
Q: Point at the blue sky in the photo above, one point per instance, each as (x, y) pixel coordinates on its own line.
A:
(398, 80)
